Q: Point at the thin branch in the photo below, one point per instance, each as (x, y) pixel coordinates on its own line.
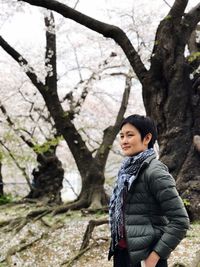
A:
(75, 106)
(76, 4)
(8, 119)
(84, 93)
(111, 132)
(31, 108)
(17, 164)
(71, 186)
(76, 58)
(167, 3)
(12, 126)
(26, 99)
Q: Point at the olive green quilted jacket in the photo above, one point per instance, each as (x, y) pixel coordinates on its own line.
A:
(155, 217)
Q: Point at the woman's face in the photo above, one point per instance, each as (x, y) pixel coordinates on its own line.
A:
(131, 141)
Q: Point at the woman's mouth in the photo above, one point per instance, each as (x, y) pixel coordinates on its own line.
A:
(125, 147)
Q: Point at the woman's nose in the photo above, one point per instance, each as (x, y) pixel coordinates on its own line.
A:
(124, 140)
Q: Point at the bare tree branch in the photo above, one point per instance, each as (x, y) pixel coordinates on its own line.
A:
(12, 126)
(23, 170)
(70, 186)
(41, 115)
(167, 3)
(76, 58)
(77, 2)
(3, 110)
(107, 30)
(113, 130)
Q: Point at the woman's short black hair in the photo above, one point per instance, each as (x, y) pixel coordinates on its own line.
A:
(144, 125)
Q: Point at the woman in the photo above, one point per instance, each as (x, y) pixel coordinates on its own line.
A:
(147, 216)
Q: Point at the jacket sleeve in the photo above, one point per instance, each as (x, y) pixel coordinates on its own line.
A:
(163, 187)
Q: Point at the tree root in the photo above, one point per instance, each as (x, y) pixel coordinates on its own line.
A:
(86, 238)
(12, 224)
(88, 233)
(4, 223)
(45, 223)
(70, 262)
(70, 206)
(102, 210)
(17, 248)
(18, 223)
(37, 214)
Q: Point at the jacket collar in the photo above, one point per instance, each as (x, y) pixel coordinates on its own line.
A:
(143, 166)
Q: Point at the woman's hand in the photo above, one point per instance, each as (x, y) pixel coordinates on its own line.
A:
(152, 259)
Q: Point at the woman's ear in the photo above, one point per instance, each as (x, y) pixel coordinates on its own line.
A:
(147, 139)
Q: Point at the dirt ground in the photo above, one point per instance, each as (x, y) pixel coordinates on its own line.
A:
(54, 241)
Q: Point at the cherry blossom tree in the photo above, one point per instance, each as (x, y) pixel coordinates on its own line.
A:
(170, 90)
(90, 163)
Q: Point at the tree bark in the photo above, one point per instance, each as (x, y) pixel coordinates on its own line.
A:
(172, 100)
(47, 178)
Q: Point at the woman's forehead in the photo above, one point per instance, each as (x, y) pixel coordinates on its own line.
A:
(128, 128)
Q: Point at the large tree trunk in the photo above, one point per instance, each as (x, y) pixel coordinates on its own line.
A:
(93, 188)
(176, 119)
(47, 178)
(174, 103)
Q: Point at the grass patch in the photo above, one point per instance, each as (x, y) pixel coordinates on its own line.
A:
(5, 199)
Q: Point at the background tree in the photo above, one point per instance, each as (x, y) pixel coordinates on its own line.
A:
(166, 83)
(91, 164)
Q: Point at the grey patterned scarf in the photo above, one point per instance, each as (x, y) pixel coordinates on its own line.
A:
(126, 176)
